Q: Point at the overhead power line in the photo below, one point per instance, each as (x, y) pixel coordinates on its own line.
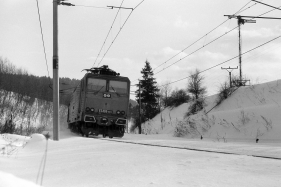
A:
(196, 50)
(226, 60)
(239, 11)
(115, 37)
(42, 37)
(267, 5)
(108, 33)
(139, 4)
(207, 43)
(242, 10)
(120, 28)
(201, 37)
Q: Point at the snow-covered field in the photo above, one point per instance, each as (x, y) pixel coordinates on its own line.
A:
(249, 113)
(77, 161)
(227, 156)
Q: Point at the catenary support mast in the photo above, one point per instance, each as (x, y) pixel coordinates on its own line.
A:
(242, 21)
(56, 125)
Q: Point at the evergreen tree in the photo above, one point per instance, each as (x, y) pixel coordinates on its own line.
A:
(149, 93)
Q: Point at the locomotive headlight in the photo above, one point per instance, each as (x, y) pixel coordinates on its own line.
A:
(92, 110)
(88, 109)
(121, 121)
(118, 112)
(123, 112)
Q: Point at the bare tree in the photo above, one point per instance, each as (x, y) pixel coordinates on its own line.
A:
(197, 91)
(195, 85)
(165, 92)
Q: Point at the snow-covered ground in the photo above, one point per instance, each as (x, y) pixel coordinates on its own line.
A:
(78, 161)
(249, 113)
(227, 156)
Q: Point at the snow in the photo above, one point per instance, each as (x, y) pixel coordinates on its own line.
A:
(249, 113)
(97, 161)
(227, 156)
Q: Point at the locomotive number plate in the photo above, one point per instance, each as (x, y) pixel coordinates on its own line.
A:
(105, 111)
(106, 95)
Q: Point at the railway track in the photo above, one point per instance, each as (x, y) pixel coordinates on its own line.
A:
(190, 149)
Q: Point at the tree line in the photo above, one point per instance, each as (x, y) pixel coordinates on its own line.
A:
(17, 80)
(26, 100)
(152, 98)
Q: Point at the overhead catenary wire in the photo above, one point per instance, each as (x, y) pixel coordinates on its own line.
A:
(139, 4)
(196, 50)
(108, 7)
(225, 61)
(207, 43)
(267, 5)
(115, 38)
(120, 30)
(268, 11)
(42, 37)
(108, 33)
(239, 11)
(242, 10)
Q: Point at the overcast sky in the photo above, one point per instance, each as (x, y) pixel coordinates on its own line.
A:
(156, 31)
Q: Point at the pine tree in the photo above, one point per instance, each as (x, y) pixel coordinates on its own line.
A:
(149, 93)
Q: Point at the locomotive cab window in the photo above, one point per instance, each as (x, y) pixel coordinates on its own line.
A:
(118, 87)
(96, 84)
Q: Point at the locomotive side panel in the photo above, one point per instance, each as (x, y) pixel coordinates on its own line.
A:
(74, 105)
(82, 99)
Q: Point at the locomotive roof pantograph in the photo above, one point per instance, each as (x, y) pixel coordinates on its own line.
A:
(103, 70)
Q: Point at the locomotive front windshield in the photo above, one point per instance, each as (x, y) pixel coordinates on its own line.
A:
(100, 85)
(118, 87)
(96, 84)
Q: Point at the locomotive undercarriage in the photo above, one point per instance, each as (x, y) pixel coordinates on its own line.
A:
(88, 128)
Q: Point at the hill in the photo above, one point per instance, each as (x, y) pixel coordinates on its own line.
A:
(250, 113)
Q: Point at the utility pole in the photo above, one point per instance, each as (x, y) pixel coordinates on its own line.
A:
(240, 21)
(56, 125)
(243, 21)
(229, 69)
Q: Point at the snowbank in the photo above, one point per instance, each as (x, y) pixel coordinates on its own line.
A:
(250, 113)
(9, 180)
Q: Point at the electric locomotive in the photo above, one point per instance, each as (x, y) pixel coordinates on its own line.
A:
(99, 104)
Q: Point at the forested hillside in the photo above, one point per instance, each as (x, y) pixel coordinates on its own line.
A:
(26, 100)
(19, 81)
